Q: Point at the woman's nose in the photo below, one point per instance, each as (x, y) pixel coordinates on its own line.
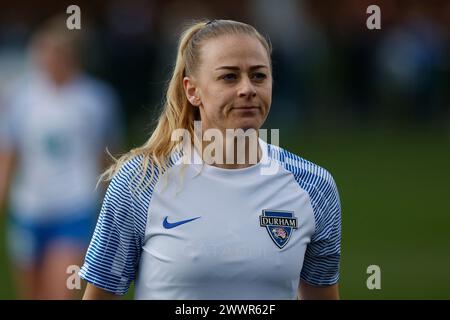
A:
(246, 88)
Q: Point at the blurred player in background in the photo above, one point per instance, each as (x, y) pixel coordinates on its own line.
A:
(224, 230)
(58, 124)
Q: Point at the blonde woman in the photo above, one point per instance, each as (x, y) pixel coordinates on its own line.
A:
(215, 227)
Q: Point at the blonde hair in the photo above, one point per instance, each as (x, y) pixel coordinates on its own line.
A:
(177, 110)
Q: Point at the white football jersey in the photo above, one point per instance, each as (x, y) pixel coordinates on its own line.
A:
(59, 135)
(203, 232)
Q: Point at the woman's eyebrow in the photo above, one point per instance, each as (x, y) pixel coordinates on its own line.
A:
(237, 68)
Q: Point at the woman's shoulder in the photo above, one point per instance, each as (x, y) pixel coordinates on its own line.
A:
(302, 169)
(131, 167)
(135, 170)
(133, 181)
(315, 180)
(143, 168)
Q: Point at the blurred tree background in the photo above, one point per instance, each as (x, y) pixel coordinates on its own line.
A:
(371, 106)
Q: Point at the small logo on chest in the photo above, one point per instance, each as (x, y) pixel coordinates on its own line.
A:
(279, 225)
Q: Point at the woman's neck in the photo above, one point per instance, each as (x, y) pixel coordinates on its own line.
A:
(232, 152)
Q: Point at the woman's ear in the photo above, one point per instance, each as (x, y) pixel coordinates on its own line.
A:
(190, 89)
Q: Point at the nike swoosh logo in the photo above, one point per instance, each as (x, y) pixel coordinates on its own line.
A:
(168, 225)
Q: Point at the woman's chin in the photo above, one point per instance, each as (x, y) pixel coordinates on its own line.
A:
(246, 124)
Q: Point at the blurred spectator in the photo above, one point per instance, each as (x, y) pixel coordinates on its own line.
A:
(57, 123)
(299, 46)
(130, 47)
(410, 58)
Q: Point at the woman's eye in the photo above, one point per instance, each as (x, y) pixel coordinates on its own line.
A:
(229, 76)
(259, 76)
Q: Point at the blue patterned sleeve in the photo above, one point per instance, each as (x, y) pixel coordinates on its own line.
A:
(322, 257)
(113, 254)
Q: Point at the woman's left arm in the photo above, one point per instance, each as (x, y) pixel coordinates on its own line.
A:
(310, 292)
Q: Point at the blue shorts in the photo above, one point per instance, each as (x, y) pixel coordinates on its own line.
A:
(28, 240)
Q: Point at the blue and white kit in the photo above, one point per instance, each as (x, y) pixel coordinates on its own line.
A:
(203, 232)
(59, 135)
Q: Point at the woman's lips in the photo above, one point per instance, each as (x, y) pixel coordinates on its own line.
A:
(246, 108)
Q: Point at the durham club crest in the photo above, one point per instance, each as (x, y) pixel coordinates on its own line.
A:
(279, 224)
